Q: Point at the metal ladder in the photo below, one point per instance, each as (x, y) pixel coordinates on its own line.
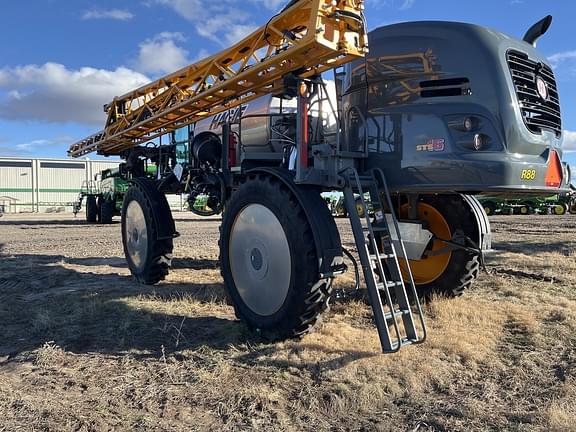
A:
(387, 290)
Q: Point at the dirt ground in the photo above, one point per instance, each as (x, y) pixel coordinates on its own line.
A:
(83, 347)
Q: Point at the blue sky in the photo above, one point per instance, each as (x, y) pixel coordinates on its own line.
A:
(61, 60)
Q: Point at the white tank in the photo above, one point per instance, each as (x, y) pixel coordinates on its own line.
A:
(268, 124)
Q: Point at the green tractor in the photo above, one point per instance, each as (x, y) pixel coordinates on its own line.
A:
(156, 163)
(104, 196)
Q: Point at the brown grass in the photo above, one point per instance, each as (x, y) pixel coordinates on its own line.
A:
(85, 348)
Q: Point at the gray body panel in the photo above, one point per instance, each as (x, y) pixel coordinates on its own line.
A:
(419, 151)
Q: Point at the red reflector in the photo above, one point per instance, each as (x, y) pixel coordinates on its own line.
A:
(554, 172)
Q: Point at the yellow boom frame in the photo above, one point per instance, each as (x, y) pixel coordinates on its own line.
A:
(306, 38)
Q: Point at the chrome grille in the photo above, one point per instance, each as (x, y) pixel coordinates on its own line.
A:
(538, 114)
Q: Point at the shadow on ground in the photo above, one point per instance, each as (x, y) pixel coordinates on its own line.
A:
(32, 222)
(198, 219)
(90, 312)
(116, 262)
(112, 314)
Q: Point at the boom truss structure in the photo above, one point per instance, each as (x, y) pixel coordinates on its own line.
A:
(307, 38)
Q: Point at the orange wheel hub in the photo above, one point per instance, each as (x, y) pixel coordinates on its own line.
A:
(428, 269)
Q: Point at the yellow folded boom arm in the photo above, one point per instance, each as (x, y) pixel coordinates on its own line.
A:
(307, 38)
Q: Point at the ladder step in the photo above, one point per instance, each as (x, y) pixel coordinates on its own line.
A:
(377, 229)
(381, 256)
(404, 342)
(389, 284)
(364, 181)
(396, 314)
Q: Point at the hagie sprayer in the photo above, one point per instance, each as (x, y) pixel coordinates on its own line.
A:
(431, 115)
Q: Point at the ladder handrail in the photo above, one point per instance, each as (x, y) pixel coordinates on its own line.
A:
(389, 302)
(308, 37)
(382, 271)
(408, 269)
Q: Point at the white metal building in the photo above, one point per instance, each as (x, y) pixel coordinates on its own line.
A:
(49, 185)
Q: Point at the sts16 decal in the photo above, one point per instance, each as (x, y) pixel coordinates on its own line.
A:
(432, 145)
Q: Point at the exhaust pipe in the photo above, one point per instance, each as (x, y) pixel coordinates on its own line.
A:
(537, 30)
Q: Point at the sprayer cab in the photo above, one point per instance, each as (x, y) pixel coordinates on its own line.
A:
(452, 107)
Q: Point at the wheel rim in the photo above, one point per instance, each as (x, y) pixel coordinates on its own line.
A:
(428, 269)
(260, 260)
(524, 210)
(136, 234)
(488, 210)
(559, 209)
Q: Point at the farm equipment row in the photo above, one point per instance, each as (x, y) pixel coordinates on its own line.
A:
(556, 204)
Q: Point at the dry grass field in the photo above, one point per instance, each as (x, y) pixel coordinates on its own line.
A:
(83, 347)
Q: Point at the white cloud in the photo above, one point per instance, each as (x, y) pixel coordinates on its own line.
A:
(272, 4)
(53, 93)
(192, 10)
(202, 54)
(33, 147)
(569, 141)
(407, 4)
(238, 32)
(160, 54)
(29, 146)
(394, 4)
(116, 14)
(211, 29)
(219, 21)
(561, 57)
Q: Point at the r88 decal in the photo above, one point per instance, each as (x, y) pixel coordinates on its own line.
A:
(528, 174)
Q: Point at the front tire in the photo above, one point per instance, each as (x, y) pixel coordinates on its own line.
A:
(269, 261)
(91, 209)
(148, 258)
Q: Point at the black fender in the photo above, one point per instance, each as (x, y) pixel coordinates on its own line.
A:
(484, 234)
(324, 230)
(162, 215)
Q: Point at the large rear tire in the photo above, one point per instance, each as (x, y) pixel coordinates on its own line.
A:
(148, 257)
(91, 209)
(269, 260)
(451, 273)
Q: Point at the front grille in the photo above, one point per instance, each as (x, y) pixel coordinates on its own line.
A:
(538, 114)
